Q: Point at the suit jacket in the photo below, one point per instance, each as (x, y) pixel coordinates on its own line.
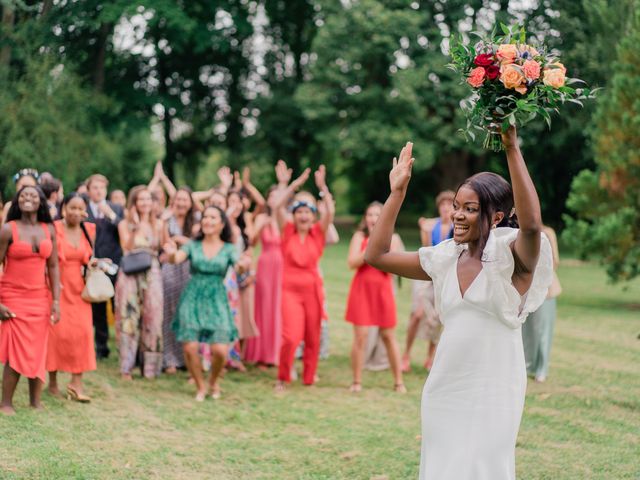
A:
(107, 237)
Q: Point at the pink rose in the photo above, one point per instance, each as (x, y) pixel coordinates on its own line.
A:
(507, 53)
(531, 69)
(476, 77)
(511, 77)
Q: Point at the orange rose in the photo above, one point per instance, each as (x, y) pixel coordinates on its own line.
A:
(476, 77)
(511, 77)
(507, 53)
(555, 76)
(531, 69)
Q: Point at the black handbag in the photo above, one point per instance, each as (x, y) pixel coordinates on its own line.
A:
(136, 262)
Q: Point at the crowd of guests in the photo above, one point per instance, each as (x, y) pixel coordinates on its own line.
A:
(190, 290)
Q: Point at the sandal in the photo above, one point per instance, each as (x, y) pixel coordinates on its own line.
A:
(200, 396)
(280, 387)
(355, 387)
(72, 394)
(399, 388)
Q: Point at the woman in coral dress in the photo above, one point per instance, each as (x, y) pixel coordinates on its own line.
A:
(70, 348)
(264, 350)
(30, 280)
(371, 302)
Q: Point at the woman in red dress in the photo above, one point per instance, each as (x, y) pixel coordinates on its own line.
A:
(303, 242)
(371, 302)
(70, 348)
(28, 249)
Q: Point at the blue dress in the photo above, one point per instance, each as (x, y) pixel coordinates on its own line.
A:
(203, 314)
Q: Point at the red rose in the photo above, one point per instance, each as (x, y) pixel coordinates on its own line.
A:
(492, 72)
(484, 60)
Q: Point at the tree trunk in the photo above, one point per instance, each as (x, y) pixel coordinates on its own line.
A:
(169, 147)
(46, 7)
(454, 169)
(101, 54)
(8, 17)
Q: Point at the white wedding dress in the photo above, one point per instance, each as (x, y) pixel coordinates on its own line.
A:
(474, 396)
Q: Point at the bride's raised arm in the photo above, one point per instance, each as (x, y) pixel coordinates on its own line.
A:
(526, 248)
(378, 253)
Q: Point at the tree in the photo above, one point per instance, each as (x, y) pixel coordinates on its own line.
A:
(51, 122)
(606, 202)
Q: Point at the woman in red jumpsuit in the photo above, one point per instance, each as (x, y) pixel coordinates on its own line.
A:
(303, 239)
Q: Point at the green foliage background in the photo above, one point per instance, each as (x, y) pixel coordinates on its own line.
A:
(91, 85)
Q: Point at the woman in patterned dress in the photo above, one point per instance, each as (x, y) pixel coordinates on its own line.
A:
(139, 296)
(181, 225)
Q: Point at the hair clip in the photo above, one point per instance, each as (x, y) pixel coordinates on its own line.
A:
(301, 203)
(26, 172)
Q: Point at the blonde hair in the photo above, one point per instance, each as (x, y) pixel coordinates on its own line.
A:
(132, 199)
(96, 177)
(446, 195)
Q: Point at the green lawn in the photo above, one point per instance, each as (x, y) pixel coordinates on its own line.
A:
(584, 423)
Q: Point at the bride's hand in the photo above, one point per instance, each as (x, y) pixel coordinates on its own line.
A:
(510, 137)
(401, 172)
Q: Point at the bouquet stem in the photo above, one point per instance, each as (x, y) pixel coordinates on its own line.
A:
(493, 141)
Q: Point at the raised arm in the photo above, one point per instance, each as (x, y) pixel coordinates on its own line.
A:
(253, 192)
(157, 174)
(226, 179)
(258, 225)
(283, 195)
(526, 248)
(327, 206)
(379, 253)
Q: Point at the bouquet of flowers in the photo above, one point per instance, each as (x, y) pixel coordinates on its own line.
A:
(512, 83)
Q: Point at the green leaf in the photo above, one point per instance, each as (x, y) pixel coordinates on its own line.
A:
(505, 29)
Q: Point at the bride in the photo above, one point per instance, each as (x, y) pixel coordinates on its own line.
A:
(487, 279)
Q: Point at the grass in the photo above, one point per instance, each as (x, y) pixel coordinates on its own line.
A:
(583, 423)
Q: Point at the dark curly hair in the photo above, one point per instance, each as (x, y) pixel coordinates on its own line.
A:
(225, 234)
(495, 195)
(43, 214)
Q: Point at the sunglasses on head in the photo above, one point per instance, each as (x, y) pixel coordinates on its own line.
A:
(32, 172)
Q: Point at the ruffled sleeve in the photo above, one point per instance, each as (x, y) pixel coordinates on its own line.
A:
(437, 261)
(498, 259)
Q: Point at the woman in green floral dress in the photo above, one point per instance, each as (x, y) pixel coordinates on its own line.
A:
(203, 314)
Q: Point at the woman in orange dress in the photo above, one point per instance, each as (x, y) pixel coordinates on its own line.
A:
(28, 249)
(371, 302)
(70, 348)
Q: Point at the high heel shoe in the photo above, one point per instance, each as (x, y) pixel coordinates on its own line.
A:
(72, 394)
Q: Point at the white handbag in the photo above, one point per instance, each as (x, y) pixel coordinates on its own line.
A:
(98, 288)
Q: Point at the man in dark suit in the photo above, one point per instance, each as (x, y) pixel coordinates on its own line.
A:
(106, 216)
